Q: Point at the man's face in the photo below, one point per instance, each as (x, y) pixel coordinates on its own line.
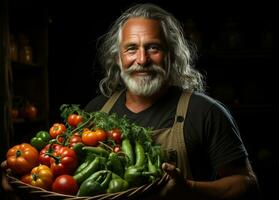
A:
(142, 56)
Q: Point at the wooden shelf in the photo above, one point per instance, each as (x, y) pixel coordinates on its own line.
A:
(29, 83)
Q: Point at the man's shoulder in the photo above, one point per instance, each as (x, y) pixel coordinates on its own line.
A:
(203, 101)
(96, 103)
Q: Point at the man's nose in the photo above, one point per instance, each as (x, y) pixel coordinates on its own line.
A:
(142, 57)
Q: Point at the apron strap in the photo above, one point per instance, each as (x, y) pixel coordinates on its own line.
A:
(111, 101)
(178, 128)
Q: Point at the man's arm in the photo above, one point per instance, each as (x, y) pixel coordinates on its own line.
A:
(237, 181)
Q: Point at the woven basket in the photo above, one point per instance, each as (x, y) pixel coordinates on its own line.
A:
(32, 192)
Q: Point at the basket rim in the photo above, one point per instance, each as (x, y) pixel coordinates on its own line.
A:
(131, 192)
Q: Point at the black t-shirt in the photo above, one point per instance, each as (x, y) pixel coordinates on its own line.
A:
(211, 135)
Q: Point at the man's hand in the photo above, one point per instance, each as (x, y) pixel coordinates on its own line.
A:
(173, 186)
(176, 184)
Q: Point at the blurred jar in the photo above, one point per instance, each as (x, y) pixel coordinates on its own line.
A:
(25, 50)
(13, 49)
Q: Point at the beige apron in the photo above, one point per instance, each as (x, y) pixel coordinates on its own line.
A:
(171, 139)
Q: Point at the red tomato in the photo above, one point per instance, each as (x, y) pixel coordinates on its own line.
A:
(74, 139)
(116, 149)
(115, 135)
(65, 184)
(44, 157)
(63, 161)
(90, 138)
(57, 129)
(74, 120)
(30, 111)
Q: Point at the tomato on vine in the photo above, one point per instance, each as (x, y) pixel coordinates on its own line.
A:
(74, 120)
(57, 129)
(90, 138)
(74, 139)
(101, 134)
(115, 135)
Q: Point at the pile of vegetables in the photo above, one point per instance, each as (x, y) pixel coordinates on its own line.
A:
(86, 154)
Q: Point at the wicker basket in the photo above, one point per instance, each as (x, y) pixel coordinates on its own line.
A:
(32, 192)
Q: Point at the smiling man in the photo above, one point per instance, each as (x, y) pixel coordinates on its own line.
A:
(150, 79)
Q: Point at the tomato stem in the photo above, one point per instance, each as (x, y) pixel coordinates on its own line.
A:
(18, 153)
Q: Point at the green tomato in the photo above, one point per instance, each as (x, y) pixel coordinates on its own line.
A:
(40, 140)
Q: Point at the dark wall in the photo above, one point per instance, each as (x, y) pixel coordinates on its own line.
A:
(74, 29)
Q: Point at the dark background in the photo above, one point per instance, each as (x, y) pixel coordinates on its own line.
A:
(237, 41)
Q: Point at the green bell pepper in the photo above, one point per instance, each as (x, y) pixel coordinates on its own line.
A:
(95, 184)
(40, 140)
(117, 185)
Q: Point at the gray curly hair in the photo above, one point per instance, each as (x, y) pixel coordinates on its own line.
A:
(180, 54)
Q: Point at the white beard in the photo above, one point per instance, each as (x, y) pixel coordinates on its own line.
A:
(144, 85)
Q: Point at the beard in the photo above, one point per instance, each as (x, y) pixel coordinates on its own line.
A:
(147, 84)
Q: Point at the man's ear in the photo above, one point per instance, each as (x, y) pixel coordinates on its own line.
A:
(118, 60)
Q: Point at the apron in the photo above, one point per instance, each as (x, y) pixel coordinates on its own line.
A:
(171, 139)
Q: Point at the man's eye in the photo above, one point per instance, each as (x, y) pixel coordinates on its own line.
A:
(131, 48)
(153, 48)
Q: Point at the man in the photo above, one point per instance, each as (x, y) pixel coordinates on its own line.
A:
(150, 79)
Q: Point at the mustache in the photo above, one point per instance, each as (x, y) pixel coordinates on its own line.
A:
(151, 68)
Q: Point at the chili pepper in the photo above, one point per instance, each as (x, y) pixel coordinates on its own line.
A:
(82, 166)
(151, 167)
(77, 147)
(140, 155)
(158, 164)
(128, 150)
(96, 150)
(88, 159)
(92, 167)
(40, 140)
(116, 164)
(95, 184)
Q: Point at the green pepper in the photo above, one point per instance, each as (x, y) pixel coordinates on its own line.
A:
(86, 161)
(89, 188)
(152, 167)
(117, 185)
(92, 167)
(40, 140)
(128, 150)
(81, 154)
(116, 165)
(95, 184)
(96, 150)
(135, 176)
(77, 147)
(140, 155)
